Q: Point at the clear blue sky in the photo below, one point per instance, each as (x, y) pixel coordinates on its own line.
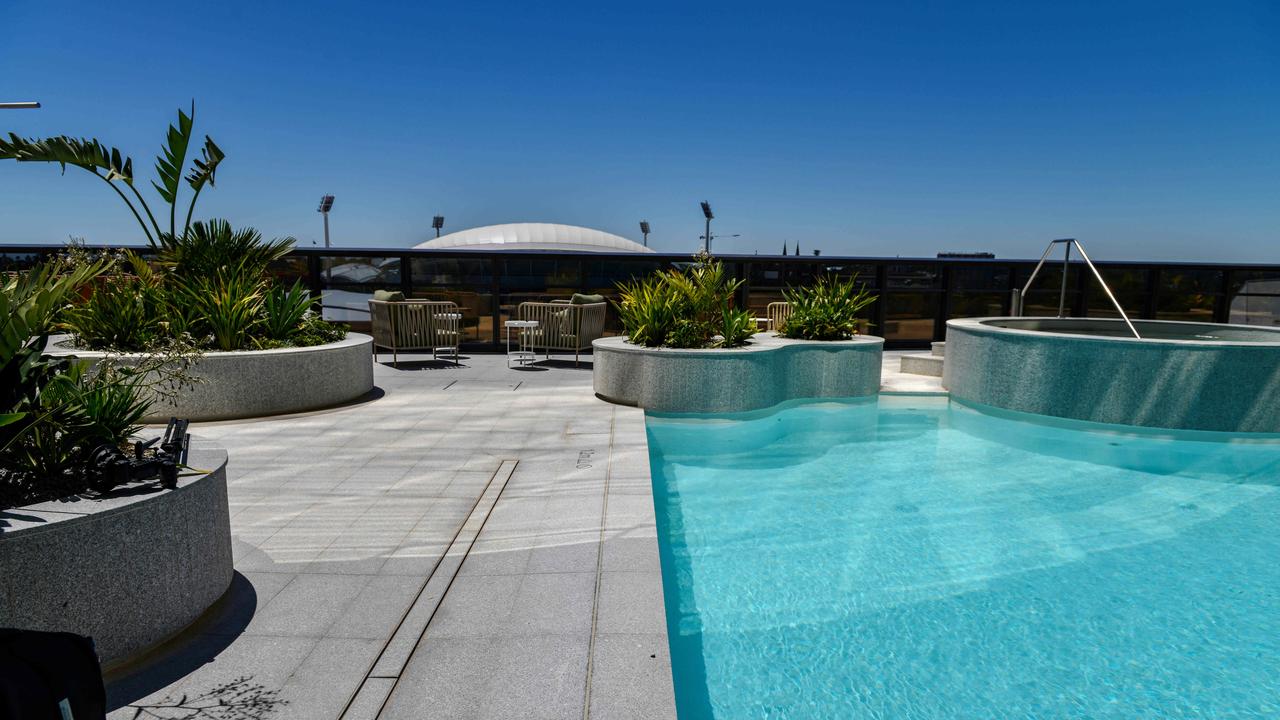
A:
(1150, 130)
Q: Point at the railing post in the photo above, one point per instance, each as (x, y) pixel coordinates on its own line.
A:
(316, 286)
(881, 312)
(1150, 303)
(944, 307)
(495, 301)
(1222, 303)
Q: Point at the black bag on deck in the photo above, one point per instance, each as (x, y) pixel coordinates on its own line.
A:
(49, 676)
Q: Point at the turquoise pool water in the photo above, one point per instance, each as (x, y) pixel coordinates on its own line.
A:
(910, 558)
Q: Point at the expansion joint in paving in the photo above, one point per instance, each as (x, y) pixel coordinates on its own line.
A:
(368, 700)
(595, 603)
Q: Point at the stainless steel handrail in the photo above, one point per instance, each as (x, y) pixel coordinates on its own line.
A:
(1018, 296)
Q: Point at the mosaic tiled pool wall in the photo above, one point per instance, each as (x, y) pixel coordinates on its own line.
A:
(769, 371)
(1229, 386)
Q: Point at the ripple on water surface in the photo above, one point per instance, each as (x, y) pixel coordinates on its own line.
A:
(917, 559)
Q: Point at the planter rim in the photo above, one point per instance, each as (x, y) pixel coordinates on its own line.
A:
(985, 325)
(761, 342)
(48, 515)
(57, 346)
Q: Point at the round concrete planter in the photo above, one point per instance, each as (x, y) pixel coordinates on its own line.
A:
(767, 371)
(254, 383)
(1188, 376)
(129, 570)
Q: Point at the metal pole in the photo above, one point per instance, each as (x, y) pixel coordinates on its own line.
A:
(326, 228)
(1039, 265)
(1066, 264)
(19, 106)
(706, 239)
(1107, 290)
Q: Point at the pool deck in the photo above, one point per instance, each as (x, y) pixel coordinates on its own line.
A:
(474, 542)
(478, 542)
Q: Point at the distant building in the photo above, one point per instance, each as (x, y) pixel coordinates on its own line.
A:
(535, 236)
(982, 255)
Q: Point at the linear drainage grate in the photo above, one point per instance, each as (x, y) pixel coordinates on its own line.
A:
(375, 689)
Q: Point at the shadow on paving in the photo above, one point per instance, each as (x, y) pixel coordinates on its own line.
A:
(183, 655)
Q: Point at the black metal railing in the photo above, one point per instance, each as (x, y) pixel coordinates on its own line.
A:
(916, 295)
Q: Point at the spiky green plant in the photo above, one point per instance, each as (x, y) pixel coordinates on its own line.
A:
(829, 309)
(125, 311)
(283, 310)
(212, 246)
(690, 308)
(29, 305)
(228, 305)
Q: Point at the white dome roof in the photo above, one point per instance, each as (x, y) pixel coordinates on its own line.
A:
(534, 236)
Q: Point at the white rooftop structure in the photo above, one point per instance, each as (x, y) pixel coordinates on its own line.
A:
(534, 236)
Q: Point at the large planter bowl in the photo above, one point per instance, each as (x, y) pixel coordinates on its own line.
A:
(129, 570)
(767, 371)
(253, 383)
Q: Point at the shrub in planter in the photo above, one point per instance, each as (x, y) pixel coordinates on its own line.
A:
(690, 308)
(55, 412)
(826, 310)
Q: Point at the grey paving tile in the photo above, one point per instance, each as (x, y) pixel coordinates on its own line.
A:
(327, 679)
(631, 678)
(525, 677)
(570, 551)
(631, 552)
(631, 602)
(379, 607)
(368, 701)
(259, 665)
(475, 606)
(307, 606)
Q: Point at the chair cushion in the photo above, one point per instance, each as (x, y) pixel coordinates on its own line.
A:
(388, 295)
(581, 299)
(565, 318)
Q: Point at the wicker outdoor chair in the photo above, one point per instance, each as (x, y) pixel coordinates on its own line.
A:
(563, 325)
(415, 325)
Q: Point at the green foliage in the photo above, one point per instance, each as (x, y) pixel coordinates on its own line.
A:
(315, 330)
(122, 312)
(214, 246)
(283, 310)
(228, 305)
(29, 305)
(685, 309)
(826, 310)
(54, 411)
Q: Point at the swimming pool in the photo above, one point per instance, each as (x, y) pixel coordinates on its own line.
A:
(914, 558)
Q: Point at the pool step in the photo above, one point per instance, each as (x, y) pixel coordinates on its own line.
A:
(922, 364)
(938, 348)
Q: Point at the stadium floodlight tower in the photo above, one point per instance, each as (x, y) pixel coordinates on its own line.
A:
(19, 106)
(644, 230)
(326, 204)
(706, 212)
(437, 222)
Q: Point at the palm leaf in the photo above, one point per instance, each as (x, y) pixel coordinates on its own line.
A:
(169, 165)
(205, 167)
(80, 152)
